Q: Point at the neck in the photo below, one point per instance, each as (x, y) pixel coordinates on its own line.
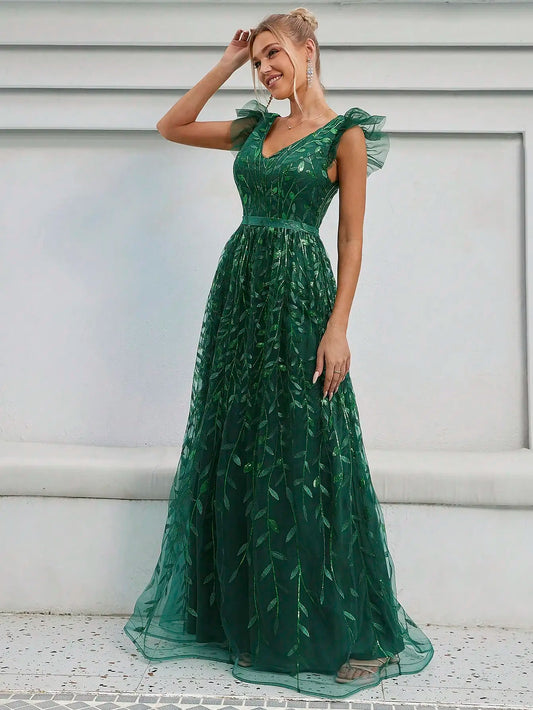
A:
(313, 104)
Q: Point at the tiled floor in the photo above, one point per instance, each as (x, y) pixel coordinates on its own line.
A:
(88, 662)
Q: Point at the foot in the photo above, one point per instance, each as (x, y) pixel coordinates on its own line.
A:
(358, 668)
(245, 659)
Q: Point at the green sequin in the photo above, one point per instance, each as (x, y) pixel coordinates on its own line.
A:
(274, 542)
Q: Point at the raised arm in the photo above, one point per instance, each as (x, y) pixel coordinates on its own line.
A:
(179, 124)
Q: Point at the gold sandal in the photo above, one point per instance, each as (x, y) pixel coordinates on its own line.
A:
(369, 666)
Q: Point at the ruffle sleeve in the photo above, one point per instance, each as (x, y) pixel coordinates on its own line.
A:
(377, 140)
(248, 117)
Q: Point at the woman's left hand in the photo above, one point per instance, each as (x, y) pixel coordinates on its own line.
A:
(334, 354)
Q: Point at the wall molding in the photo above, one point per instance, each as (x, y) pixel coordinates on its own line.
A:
(500, 479)
(177, 23)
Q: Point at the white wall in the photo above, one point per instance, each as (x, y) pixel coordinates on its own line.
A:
(109, 237)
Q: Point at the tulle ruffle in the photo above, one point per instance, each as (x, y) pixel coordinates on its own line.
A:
(248, 117)
(377, 140)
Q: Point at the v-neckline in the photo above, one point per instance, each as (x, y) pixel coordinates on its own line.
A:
(281, 150)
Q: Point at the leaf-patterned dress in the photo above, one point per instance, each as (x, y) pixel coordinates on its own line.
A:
(274, 544)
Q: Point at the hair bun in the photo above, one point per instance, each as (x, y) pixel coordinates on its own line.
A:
(305, 15)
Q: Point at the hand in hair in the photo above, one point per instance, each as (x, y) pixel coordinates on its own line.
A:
(236, 53)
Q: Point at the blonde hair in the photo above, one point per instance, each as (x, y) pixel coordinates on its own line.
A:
(299, 25)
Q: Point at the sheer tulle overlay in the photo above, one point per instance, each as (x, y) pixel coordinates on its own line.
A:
(274, 543)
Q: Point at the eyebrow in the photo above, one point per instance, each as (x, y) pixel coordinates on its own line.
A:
(264, 49)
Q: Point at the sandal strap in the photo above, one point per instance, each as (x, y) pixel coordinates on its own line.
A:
(371, 664)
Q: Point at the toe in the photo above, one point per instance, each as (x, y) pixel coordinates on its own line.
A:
(343, 671)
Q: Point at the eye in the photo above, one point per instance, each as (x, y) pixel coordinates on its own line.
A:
(256, 64)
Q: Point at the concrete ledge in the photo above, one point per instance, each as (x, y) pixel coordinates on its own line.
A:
(464, 478)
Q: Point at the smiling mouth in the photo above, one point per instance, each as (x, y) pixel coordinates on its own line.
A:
(274, 79)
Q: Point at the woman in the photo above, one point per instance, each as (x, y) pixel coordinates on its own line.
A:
(274, 556)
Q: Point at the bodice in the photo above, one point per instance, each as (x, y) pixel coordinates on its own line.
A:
(293, 183)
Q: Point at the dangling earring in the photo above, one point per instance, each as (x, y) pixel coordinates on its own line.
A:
(309, 71)
(270, 99)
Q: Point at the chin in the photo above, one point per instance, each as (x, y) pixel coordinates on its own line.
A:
(277, 94)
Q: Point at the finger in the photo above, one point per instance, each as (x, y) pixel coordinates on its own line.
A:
(333, 385)
(337, 379)
(345, 369)
(319, 366)
(327, 381)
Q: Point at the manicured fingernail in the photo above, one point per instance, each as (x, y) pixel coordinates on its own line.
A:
(315, 376)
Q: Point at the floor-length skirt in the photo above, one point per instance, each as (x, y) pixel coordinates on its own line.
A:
(274, 543)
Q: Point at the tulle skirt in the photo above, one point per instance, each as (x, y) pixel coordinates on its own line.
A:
(274, 543)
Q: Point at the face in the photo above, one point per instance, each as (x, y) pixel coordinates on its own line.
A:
(274, 67)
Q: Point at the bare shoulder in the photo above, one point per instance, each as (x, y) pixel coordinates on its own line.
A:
(351, 152)
(352, 141)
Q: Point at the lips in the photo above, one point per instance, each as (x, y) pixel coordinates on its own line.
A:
(274, 79)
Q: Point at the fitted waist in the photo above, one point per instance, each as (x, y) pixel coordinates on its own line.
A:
(280, 223)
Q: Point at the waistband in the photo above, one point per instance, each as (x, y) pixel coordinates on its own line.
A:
(275, 222)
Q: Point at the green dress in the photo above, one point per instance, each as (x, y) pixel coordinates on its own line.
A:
(274, 543)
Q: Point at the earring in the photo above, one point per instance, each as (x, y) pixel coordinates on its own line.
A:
(309, 71)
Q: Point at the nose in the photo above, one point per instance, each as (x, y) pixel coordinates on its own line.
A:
(264, 69)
